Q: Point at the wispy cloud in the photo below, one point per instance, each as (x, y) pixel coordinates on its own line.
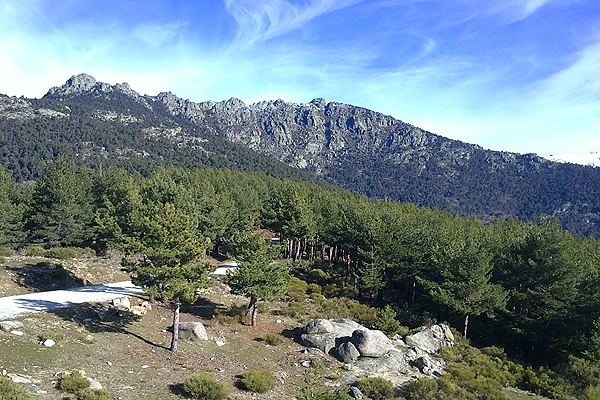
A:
(259, 20)
(156, 33)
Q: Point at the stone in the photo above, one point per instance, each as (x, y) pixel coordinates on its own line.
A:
(122, 303)
(16, 333)
(393, 362)
(313, 351)
(19, 378)
(431, 339)
(192, 332)
(49, 343)
(355, 393)
(318, 326)
(429, 366)
(342, 332)
(347, 352)
(94, 384)
(371, 343)
(219, 340)
(8, 326)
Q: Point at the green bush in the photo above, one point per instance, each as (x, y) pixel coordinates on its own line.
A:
(385, 320)
(272, 339)
(421, 389)
(376, 388)
(205, 387)
(34, 251)
(295, 309)
(318, 298)
(51, 335)
(318, 273)
(73, 383)
(92, 394)
(61, 253)
(297, 289)
(6, 251)
(12, 391)
(258, 381)
(313, 288)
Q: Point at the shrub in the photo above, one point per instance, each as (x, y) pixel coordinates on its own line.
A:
(73, 383)
(295, 309)
(272, 339)
(318, 298)
(34, 251)
(376, 388)
(258, 381)
(421, 389)
(10, 390)
(297, 289)
(205, 387)
(385, 320)
(318, 273)
(51, 335)
(313, 288)
(93, 394)
(6, 251)
(61, 253)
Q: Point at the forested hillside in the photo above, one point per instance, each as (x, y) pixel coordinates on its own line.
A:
(358, 149)
(530, 287)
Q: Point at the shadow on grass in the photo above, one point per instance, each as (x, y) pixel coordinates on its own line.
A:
(293, 334)
(45, 276)
(177, 390)
(88, 315)
(203, 308)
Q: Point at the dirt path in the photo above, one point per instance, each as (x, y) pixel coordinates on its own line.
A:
(13, 306)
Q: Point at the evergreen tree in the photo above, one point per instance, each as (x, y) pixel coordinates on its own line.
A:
(11, 211)
(258, 277)
(168, 262)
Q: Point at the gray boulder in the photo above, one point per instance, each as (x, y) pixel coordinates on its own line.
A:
(8, 326)
(393, 362)
(192, 332)
(325, 341)
(431, 339)
(371, 343)
(347, 352)
(319, 326)
(429, 366)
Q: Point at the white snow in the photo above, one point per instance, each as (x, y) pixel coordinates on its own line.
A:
(592, 158)
(12, 306)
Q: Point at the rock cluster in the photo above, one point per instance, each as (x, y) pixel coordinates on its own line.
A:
(373, 352)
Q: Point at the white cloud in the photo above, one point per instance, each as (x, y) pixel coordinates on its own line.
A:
(259, 20)
(155, 34)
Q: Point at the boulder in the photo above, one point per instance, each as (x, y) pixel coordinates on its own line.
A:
(219, 340)
(325, 341)
(347, 352)
(355, 393)
(429, 366)
(122, 303)
(393, 362)
(94, 384)
(8, 326)
(371, 343)
(192, 332)
(49, 343)
(318, 326)
(431, 339)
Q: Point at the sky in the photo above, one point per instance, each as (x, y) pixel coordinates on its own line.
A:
(512, 75)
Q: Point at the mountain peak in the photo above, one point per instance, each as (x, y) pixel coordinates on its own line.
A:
(85, 83)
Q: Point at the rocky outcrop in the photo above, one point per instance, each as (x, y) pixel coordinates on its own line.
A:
(193, 332)
(431, 339)
(372, 352)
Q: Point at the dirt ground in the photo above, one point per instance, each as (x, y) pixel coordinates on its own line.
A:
(130, 355)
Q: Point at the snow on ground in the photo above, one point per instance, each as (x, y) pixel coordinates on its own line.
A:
(12, 306)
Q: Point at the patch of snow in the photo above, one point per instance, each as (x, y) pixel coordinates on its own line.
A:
(592, 158)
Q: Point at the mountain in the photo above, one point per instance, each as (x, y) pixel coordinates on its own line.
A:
(348, 146)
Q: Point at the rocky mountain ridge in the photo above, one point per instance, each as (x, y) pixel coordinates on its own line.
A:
(357, 149)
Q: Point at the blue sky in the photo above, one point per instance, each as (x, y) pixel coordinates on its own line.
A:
(514, 75)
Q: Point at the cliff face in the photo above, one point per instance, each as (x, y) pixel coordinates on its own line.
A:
(361, 150)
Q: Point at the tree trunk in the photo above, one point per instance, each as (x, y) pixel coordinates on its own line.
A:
(251, 306)
(175, 338)
(466, 325)
(254, 314)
